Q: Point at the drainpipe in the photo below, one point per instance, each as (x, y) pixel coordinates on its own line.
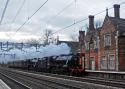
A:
(117, 54)
(89, 57)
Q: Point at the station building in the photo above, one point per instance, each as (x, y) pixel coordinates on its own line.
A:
(105, 46)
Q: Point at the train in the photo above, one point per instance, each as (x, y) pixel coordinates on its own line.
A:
(67, 64)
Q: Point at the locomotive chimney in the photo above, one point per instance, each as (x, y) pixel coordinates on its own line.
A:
(91, 22)
(117, 11)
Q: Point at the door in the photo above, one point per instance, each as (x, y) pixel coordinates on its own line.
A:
(92, 63)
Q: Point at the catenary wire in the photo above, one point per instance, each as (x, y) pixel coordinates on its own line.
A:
(30, 18)
(4, 11)
(18, 10)
(60, 12)
(81, 20)
(66, 26)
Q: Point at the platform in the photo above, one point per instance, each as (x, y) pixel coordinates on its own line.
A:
(3, 85)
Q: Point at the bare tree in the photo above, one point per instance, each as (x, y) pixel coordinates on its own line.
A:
(74, 38)
(98, 24)
(47, 36)
(33, 42)
(87, 26)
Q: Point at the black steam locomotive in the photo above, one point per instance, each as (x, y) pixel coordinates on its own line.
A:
(71, 64)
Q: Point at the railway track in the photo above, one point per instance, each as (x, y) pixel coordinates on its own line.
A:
(101, 81)
(14, 84)
(54, 81)
(106, 82)
(36, 82)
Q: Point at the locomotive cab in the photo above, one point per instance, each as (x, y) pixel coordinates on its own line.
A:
(76, 64)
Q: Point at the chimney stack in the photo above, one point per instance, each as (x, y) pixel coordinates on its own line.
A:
(81, 40)
(91, 22)
(117, 10)
(82, 34)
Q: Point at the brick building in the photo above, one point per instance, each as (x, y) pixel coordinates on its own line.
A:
(105, 46)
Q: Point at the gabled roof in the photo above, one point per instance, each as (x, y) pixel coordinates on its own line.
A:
(119, 23)
(92, 34)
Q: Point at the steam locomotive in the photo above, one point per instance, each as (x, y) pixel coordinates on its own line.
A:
(71, 64)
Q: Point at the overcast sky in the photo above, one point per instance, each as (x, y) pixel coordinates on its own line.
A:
(45, 17)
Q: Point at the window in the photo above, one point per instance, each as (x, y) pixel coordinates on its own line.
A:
(82, 62)
(86, 64)
(87, 45)
(111, 62)
(103, 63)
(96, 43)
(107, 40)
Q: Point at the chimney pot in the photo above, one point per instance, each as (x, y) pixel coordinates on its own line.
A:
(117, 10)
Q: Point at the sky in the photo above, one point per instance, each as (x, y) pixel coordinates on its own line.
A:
(54, 15)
